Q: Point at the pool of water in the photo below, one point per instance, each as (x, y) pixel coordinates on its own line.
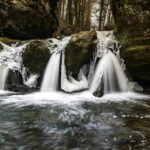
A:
(57, 121)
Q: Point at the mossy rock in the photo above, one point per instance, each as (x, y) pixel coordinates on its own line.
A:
(28, 19)
(80, 51)
(132, 28)
(36, 56)
(8, 41)
(137, 59)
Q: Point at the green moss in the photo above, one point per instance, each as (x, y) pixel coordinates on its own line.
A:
(36, 56)
(79, 51)
(137, 59)
(8, 41)
(132, 26)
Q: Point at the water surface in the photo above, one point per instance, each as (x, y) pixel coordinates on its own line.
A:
(57, 121)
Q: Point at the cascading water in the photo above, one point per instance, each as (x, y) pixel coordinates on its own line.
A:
(72, 85)
(105, 70)
(3, 76)
(51, 78)
(109, 72)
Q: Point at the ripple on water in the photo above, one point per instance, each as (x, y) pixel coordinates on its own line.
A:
(76, 122)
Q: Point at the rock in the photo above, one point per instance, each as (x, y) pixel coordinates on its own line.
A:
(36, 56)
(138, 61)
(79, 51)
(20, 88)
(9, 41)
(26, 19)
(14, 78)
(1, 47)
(15, 82)
(132, 27)
(65, 30)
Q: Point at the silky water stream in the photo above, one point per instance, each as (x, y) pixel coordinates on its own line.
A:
(61, 117)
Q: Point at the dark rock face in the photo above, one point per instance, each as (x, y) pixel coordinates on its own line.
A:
(15, 82)
(14, 77)
(79, 51)
(26, 19)
(132, 26)
(36, 56)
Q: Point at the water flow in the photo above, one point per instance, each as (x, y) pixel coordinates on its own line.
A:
(3, 76)
(70, 84)
(109, 73)
(51, 77)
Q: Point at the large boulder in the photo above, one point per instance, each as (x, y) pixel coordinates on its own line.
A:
(26, 19)
(36, 55)
(79, 51)
(132, 27)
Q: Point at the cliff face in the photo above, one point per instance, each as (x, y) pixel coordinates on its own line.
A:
(25, 19)
(132, 19)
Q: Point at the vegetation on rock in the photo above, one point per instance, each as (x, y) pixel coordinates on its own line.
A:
(8, 41)
(132, 19)
(79, 51)
(36, 56)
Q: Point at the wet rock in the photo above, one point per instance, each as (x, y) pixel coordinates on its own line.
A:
(79, 51)
(138, 61)
(14, 77)
(1, 47)
(132, 27)
(36, 56)
(20, 88)
(26, 19)
(15, 82)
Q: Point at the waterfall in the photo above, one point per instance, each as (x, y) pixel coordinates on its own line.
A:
(111, 73)
(72, 84)
(105, 72)
(51, 77)
(3, 76)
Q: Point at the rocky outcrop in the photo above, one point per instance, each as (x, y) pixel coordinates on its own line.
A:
(26, 19)
(79, 51)
(36, 56)
(132, 27)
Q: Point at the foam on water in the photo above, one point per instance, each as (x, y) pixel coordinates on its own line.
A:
(74, 99)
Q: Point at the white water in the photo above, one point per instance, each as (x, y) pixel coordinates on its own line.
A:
(51, 77)
(32, 81)
(72, 85)
(111, 73)
(71, 100)
(3, 76)
(108, 73)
